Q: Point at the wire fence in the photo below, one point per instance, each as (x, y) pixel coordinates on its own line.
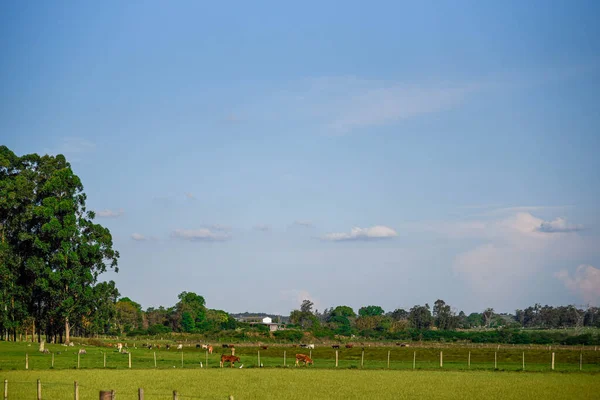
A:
(321, 357)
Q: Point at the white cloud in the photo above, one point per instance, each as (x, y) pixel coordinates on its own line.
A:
(307, 224)
(203, 234)
(559, 224)
(516, 248)
(110, 213)
(138, 237)
(585, 283)
(263, 228)
(375, 232)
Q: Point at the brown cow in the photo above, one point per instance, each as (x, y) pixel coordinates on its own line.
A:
(210, 349)
(304, 358)
(231, 346)
(349, 346)
(230, 359)
(264, 347)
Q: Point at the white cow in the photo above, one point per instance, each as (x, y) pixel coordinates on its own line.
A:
(120, 347)
(179, 347)
(310, 346)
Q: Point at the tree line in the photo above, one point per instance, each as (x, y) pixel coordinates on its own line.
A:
(52, 254)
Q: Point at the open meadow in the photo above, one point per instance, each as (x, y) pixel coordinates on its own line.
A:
(199, 375)
(303, 383)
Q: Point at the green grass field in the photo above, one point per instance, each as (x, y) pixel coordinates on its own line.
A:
(455, 380)
(12, 357)
(303, 383)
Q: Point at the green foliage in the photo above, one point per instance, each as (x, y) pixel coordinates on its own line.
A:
(289, 335)
(370, 311)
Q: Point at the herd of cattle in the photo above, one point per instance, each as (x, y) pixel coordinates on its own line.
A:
(231, 359)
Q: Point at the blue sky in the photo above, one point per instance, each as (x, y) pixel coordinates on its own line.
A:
(388, 153)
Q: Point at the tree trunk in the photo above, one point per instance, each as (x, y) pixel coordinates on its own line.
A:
(67, 330)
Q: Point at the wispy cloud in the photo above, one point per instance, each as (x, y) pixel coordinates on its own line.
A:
(200, 235)
(585, 283)
(375, 232)
(73, 148)
(559, 224)
(306, 224)
(263, 228)
(138, 237)
(341, 104)
(110, 213)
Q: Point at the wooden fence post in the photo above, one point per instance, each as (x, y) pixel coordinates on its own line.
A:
(414, 360)
(182, 358)
(104, 353)
(129, 360)
(362, 359)
(26, 361)
(336, 358)
(106, 395)
(523, 361)
(310, 354)
(52, 360)
(206, 361)
(76, 390)
(495, 360)
(6, 389)
(552, 361)
(39, 390)
(258, 358)
(154, 359)
(469, 360)
(78, 357)
(388, 359)
(580, 361)
(175, 397)
(284, 359)
(441, 359)
(140, 394)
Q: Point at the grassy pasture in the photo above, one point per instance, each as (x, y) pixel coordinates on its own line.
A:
(12, 357)
(303, 383)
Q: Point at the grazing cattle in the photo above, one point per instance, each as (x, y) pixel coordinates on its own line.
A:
(210, 349)
(349, 346)
(82, 351)
(71, 344)
(158, 346)
(179, 347)
(168, 347)
(230, 359)
(294, 345)
(197, 346)
(149, 346)
(204, 346)
(303, 345)
(233, 351)
(264, 347)
(110, 345)
(225, 346)
(304, 359)
(335, 346)
(231, 346)
(120, 347)
(310, 346)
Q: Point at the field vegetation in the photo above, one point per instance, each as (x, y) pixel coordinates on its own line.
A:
(303, 383)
